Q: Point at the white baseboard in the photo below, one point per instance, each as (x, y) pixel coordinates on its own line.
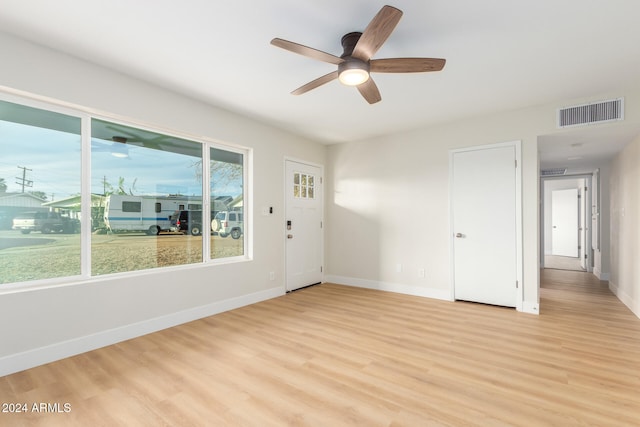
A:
(39, 356)
(633, 305)
(442, 294)
(600, 275)
(530, 307)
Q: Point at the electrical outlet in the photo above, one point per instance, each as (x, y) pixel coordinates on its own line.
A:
(421, 273)
(398, 268)
(272, 275)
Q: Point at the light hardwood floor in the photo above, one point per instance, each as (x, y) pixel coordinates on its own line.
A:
(562, 263)
(333, 355)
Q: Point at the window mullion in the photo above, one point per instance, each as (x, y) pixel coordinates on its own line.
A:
(86, 199)
(206, 203)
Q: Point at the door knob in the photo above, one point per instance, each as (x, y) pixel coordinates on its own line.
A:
(289, 236)
(459, 235)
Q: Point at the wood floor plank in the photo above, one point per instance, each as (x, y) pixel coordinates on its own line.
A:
(337, 355)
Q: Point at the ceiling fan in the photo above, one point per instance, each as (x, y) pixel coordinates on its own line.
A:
(356, 63)
(118, 147)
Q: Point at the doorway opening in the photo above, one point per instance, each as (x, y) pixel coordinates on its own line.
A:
(566, 233)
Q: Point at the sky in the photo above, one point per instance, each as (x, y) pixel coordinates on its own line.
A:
(52, 159)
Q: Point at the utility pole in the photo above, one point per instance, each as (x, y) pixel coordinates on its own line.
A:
(24, 182)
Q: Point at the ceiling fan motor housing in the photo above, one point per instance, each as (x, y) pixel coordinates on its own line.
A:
(352, 71)
(349, 42)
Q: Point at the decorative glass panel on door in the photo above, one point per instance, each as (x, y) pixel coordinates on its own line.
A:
(303, 186)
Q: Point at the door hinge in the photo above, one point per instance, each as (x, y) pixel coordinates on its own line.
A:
(516, 163)
(516, 284)
(320, 269)
(320, 224)
(320, 180)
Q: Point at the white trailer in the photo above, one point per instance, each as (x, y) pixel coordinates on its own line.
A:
(150, 214)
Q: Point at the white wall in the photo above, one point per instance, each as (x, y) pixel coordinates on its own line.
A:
(42, 324)
(388, 199)
(624, 187)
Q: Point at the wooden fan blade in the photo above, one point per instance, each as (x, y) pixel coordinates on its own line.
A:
(406, 65)
(377, 32)
(316, 83)
(306, 51)
(370, 91)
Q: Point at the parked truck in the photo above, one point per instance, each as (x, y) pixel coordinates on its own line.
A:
(45, 222)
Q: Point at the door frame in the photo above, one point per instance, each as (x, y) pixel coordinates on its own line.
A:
(284, 216)
(517, 145)
(590, 182)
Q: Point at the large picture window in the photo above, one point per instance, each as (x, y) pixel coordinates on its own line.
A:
(144, 192)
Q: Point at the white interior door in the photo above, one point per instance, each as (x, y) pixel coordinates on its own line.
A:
(564, 222)
(303, 228)
(484, 224)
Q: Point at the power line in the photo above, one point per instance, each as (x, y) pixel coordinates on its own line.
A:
(24, 182)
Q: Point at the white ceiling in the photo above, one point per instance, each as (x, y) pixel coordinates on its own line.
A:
(501, 55)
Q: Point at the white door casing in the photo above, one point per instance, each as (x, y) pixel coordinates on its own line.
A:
(595, 210)
(583, 227)
(303, 224)
(486, 219)
(564, 222)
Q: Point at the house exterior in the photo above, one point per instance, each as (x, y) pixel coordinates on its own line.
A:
(14, 203)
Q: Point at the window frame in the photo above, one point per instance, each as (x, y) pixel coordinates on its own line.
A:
(85, 115)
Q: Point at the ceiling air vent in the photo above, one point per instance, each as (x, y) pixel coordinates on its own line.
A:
(553, 171)
(596, 112)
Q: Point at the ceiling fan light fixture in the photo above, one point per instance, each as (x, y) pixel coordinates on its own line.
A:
(353, 72)
(119, 152)
(119, 148)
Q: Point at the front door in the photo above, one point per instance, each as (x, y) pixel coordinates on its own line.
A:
(485, 224)
(303, 225)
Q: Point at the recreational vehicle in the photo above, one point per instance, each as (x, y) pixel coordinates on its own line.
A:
(150, 214)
